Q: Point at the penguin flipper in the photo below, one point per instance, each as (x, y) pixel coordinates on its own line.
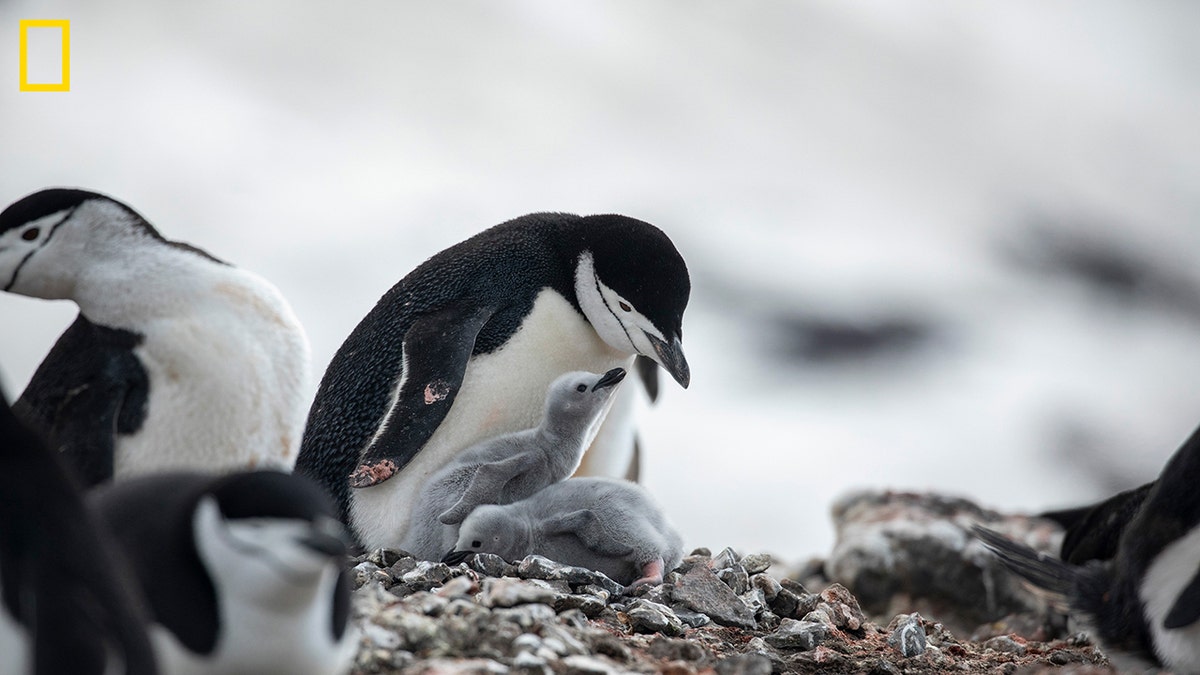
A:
(585, 524)
(89, 387)
(486, 486)
(1094, 531)
(1186, 609)
(436, 349)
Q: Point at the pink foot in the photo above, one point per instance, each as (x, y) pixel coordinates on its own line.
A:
(652, 573)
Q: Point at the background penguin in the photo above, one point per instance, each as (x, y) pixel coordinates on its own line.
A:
(608, 525)
(66, 604)
(177, 360)
(514, 466)
(464, 347)
(1145, 602)
(243, 572)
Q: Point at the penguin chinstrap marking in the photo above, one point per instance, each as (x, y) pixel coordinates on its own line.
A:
(176, 360)
(67, 604)
(1144, 603)
(604, 524)
(513, 466)
(466, 345)
(243, 572)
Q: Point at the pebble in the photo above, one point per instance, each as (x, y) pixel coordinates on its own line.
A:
(756, 563)
(510, 592)
(489, 564)
(651, 617)
(701, 591)
(909, 636)
(802, 635)
(1004, 643)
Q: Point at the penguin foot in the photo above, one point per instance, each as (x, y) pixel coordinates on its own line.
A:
(367, 475)
(652, 573)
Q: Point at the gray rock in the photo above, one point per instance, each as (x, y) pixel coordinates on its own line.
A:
(489, 564)
(528, 617)
(700, 590)
(402, 566)
(918, 547)
(802, 635)
(691, 618)
(586, 665)
(385, 557)
(767, 584)
(725, 559)
(367, 572)
(735, 577)
(458, 587)
(908, 637)
(425, 575)
(1004, 643)
(744, 664)
(756, 563)
(526, 663)
(672, 649)
(651, 617)
(842, 607)
(788, 604)
(590, 605)
(510, 592)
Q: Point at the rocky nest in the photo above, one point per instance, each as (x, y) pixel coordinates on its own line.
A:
(726, 613)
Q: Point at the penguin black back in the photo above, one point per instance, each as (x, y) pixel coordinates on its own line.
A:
(61, 577)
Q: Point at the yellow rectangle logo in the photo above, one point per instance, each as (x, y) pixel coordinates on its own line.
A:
(64, 83)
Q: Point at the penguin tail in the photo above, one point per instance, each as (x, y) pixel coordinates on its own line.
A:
(1043, 570)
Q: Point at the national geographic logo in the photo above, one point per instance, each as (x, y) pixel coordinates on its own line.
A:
(45, 55)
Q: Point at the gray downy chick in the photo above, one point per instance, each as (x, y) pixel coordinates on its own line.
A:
(608, 525)
(513, 466)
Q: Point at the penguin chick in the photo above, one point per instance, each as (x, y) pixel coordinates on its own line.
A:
(1144, 603)
(244, 573)
(512, 466)
(465, 346)
(604, 524)
(176, 360)
(67, 604)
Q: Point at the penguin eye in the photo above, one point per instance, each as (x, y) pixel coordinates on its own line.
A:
(30, 234)
(625, 306)
(581, 388)
(476, 544)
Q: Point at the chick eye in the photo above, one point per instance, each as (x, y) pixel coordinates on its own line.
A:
(476, 544)
(625, 306)
(30, 234)
(581, 388)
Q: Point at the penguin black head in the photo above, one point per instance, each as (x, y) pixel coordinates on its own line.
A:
(48, 236)
(633, 286)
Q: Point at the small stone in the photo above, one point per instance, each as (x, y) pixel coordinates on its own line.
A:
(802, 635)
(1004, 643)
(458, 587)
(488, 564)
(700, 590)
(651, 617)
(744, 664)
(725, 559)
(671, 649)
(598, 591)
(845, 610)
(702, 552)
(526, 663)
(591, 605)
(735, 577)
(386, 557)
(426, 575)
(510, 592)
(528, 617)
(536, 567)
(367, 572)
(769, 587)
(909, 636)
(586, 665)
(527, 642)
(561, 641)
(756, 563)
(693, 619)
(402, 566)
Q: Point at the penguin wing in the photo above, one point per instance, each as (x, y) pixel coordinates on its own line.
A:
(486, 486)
(1186, 609)
(436, 349)
(89, 387)
(585, 524)
(1093, 532)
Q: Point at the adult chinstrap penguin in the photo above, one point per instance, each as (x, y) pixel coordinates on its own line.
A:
(176, 360)
(513, 466)
(464, 347)
(243, 573)
(67, 605)
(1144, 603)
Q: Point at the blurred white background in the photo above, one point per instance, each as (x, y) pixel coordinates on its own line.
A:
(934, 245)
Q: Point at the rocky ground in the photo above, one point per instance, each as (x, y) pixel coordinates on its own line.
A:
(927, 598)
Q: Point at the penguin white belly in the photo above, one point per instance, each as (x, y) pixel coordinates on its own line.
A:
(14, 645)
(226, 380)
(1166, 578)
(501, 392)
(254, 639)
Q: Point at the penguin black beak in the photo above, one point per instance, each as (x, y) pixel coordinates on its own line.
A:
(610, 379)
(455, 557)
(670, 357)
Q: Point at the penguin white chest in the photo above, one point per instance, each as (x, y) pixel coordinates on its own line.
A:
(502, 391)
(1167, 576)
(226, 381)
